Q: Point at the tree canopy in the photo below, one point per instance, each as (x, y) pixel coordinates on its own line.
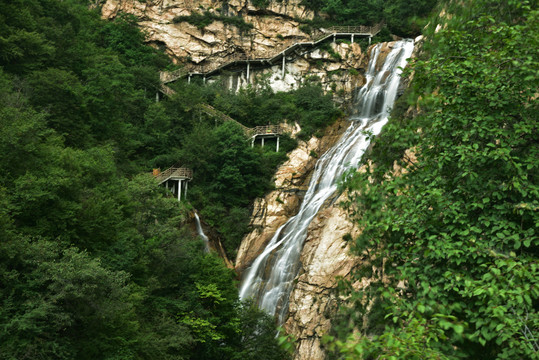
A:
(96, 260)
(448, 205)
(403, 18)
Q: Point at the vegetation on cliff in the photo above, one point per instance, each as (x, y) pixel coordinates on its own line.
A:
(402, 17)
(207, 18)
(450, 240)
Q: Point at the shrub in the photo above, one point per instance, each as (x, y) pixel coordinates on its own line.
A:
(202, 20)
(262, 4)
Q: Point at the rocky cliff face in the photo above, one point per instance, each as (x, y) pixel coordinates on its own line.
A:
(272, 27)
(325, 257)
(291, 181)
(339, 66)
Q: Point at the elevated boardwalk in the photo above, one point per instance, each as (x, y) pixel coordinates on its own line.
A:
(175, 179)
(213, 112)
(266, 132)
(258, 132)
(279, 55)
(174, 173)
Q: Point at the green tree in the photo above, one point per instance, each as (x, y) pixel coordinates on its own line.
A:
(96, 261)
(62, 304)
(407, 18)
(452, 236)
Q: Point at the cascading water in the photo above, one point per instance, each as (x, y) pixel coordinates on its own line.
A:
(201, 233)
(269, 280)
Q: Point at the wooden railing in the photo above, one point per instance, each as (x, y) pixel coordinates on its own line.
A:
(210, 110)
(213, 112)
(266, 130)
(257, 130)
(170, 76)
(166, 90)
(180, 172)
(371, 30)
(167, 77)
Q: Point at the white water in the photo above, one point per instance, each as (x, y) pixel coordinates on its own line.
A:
(269, 280)
(201, 233)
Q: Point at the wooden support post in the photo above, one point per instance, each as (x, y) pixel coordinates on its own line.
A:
(262, 142)
(334, 38)
(248, 72)
(157, 97)
(253, 141)
(189, 78)
(179, 190)
(204, 79)
(277, 150)
(370, 38)
(352, 38)
(186, 182)
(284, 60)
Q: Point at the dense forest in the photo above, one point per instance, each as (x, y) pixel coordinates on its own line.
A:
(96, 261)
(448, 205)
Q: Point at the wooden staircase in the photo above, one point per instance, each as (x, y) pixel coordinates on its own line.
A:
(214, 113)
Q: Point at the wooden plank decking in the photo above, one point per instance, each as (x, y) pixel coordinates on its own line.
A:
(174, 173)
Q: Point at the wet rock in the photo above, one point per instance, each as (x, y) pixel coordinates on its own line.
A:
(325, 257)
(291, 181)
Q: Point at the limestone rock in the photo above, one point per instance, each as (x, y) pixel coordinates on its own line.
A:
(216, 41)
(274, 28)
(325, 256)
(291, 181)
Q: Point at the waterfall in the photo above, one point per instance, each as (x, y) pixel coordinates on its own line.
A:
(201, 233)
(269, 280)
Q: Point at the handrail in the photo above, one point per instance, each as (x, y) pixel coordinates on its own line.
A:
(166, 90)
(211, 111)
(181, 172)
(171, 76)
(257, 130)
(267, 130)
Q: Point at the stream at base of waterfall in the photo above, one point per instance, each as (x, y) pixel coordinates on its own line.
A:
(270, 279)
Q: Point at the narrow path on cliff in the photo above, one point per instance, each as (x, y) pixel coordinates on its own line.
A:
(270, 279)
(280, 54)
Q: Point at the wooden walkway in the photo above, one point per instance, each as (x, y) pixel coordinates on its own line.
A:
(265, 130)
(243, 59)
(175, 179)
(174, 173)
(213, 112)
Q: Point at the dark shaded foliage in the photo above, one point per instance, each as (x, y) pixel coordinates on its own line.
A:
(95, 261)
(452, 237)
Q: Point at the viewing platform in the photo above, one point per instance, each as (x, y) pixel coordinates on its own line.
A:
(174, 179)
(266, 132)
